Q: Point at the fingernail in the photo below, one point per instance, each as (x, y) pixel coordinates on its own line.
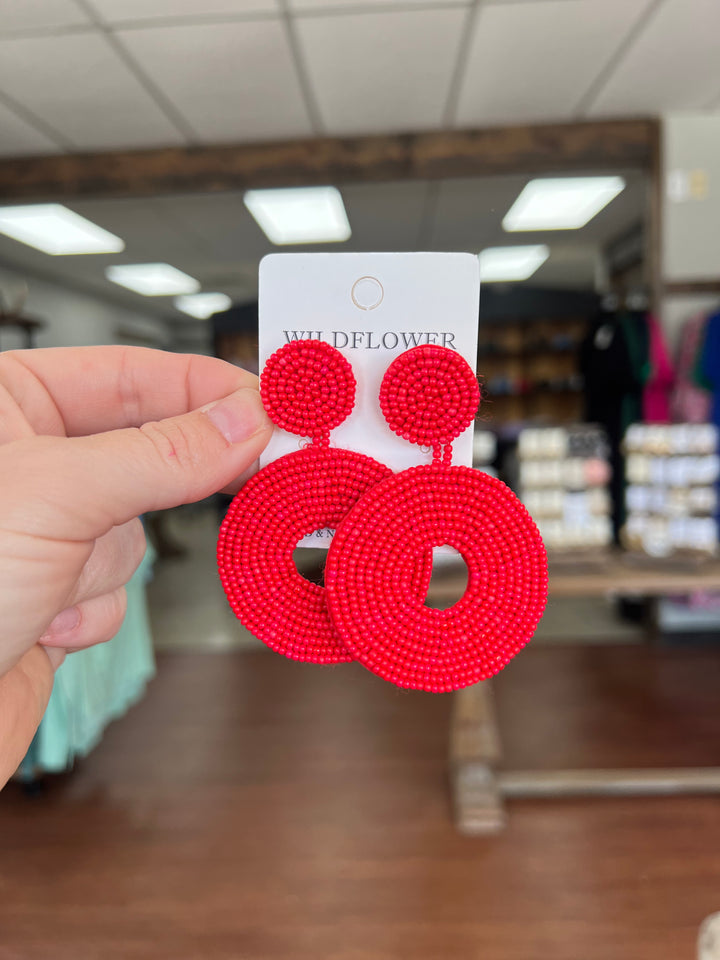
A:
(63, 624)
(238, 416)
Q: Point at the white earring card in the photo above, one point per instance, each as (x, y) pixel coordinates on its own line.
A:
(371, 307)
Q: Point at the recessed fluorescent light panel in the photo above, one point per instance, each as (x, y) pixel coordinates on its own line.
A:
(561, 203)
(152, 279)
(203, 305)
(300, 215)
(508, 264)
(56, 230)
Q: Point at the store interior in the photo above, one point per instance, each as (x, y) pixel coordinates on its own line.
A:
(192, 794)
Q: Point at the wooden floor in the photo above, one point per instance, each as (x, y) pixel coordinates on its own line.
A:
(255, 809)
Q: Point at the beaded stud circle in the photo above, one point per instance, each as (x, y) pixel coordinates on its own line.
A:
(307, 387)
(393, 633)
(429, 395)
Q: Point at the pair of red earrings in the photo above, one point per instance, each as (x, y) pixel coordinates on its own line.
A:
(372, 607)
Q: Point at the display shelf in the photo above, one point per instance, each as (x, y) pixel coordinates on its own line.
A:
(534, 352)
(619, 577)
(479, 789)
(526, 353)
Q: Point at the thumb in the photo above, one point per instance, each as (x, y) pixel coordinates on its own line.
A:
(77, 488)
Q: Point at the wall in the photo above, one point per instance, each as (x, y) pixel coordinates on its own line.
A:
(192, 337)
(691, 214)
(75, 318)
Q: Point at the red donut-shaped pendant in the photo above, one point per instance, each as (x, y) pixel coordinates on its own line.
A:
(293, 496)
(429, 396)
(307, 388)
(391, 631)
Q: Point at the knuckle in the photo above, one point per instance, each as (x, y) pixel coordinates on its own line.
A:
(138, 543)
(115, 614)
(112, 562)
(119, 604)
(101, 619)
(173, 443)
(129, 390)
(8, 360)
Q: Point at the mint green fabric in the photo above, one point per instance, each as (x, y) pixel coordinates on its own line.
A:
(95, 686)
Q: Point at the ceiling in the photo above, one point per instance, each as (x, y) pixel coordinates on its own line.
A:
(214, 239)
(94, 75)
(87, 75)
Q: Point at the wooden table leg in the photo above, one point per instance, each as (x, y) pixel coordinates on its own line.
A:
(474, 751)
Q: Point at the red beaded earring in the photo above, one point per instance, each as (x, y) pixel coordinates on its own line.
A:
(307, 388)
(430, 396)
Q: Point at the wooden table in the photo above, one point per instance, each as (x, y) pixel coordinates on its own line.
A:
(479, 789)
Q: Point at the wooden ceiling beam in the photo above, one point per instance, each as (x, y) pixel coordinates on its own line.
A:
(692, 288)
(552, 148)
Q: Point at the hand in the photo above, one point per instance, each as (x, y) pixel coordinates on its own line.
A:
(89, 439)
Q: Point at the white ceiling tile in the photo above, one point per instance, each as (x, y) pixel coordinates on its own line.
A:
(673, 65)
(118, 11)
(623, 214)
(468, 211)
(21, 15)
(210, 237)
(237, 278)
(379, 72)
(213, 238)
(534, 61)
(385, 216)
(570, 266)
(78, 85)
(302, 6)
(18, 138)
(143, 225)
(84, 273)
(233, 81)
(221, 222)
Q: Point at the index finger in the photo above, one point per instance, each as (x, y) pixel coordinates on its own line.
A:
(85, 390)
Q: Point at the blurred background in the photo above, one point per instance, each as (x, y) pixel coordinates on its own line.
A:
(192, 795)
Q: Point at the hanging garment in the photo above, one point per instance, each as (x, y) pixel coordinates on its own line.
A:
(711, 364)
(608, 371)
(613, 393)
(691, 399)
(95, 686)
(635, 330)
(711, 372)
(656, 395)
